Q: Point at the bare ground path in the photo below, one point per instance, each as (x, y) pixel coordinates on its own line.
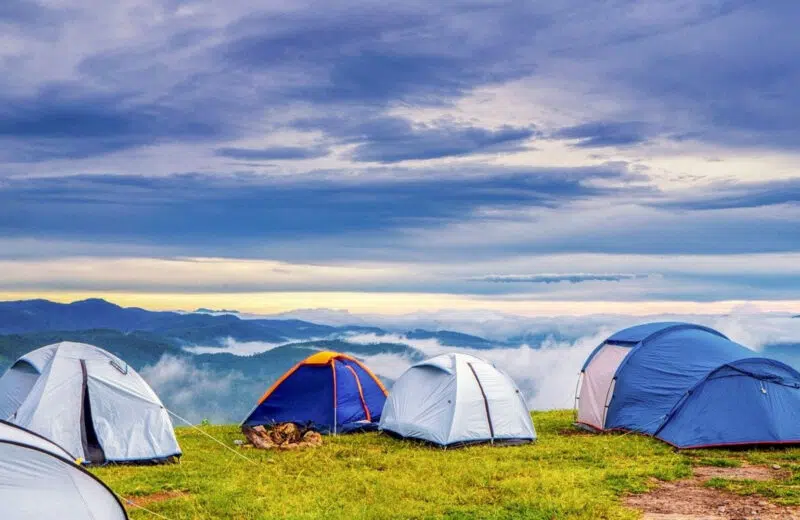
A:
(691, 499)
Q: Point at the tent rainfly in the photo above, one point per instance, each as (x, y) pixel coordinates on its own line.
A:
(90, 402)
(457, 399)
(38, 479)
(689, 386)
(329, 391)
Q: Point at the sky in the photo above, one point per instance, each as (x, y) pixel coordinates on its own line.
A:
(570, 157)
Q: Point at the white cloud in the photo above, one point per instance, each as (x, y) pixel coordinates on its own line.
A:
(390, 366)
(545, 366)
(196, 393)
(547, 371)
(237, 348)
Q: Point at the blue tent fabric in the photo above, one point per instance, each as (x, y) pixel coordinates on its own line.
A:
(641, 332)
(632, 336)
(660, 369)
(350, 408)
(306, 396)
(330, 392)
(749, 401)
(693, 387)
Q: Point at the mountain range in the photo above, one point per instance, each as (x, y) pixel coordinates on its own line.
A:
(204, 345)
(27, 316)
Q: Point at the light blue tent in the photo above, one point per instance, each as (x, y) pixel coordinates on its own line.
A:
(39, 479)
(689, 386)
(457, 399)
(90, 402)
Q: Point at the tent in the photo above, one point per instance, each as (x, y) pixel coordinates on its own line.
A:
(456, 399)
(331, 392)
(38, 479)
(689, 386)
(90, 402)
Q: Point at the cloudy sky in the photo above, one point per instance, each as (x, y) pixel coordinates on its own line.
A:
(530, 156)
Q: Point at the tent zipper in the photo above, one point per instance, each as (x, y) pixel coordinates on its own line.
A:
(485, 402)
(84, 390)
(360, 393)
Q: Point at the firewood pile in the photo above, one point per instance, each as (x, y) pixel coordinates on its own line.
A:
(283, 436)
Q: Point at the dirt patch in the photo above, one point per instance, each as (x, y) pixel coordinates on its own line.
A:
(690, 500)
(154, 498)
(746, 472)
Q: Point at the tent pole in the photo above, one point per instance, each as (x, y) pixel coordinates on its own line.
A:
(335, 398)
(577, 396)
(485, 402)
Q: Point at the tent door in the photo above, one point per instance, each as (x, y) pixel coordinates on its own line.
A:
(91, 445)
(360, 393)
(596, 386)
(485, 401)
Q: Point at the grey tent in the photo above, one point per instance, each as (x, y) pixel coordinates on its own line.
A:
(457, 399)
(90, 402)
(39, 480)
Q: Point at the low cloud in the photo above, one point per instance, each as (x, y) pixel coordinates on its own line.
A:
(387, 366)
(546, 372)
(196, 393)
(544, 360)
(547, 363)
(426, 346)
(237, 348)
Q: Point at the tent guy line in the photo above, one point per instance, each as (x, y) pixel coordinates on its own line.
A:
(210, 436)
(130, 502)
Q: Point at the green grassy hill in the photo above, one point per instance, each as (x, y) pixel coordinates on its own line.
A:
(566, 474)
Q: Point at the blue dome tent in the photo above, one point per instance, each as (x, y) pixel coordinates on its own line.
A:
(332, 392)
(689, 386)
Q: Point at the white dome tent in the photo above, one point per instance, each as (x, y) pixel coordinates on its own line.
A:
(39, 480)
(90, 402)
(457, 399)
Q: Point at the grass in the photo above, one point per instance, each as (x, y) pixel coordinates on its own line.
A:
(565, 474)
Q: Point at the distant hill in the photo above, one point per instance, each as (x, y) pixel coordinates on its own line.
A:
(452, 339)
(20, 317)
(28, 316)
(137, 348)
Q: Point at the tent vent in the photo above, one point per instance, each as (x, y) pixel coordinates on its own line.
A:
(119, 367)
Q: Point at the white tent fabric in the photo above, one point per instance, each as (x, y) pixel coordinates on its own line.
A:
(37, 480)
(14, 434)
(126, 416)
(456, 399)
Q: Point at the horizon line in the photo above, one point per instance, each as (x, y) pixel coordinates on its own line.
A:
(396, 304)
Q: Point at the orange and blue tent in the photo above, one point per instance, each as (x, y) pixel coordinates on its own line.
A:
(328, 391)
